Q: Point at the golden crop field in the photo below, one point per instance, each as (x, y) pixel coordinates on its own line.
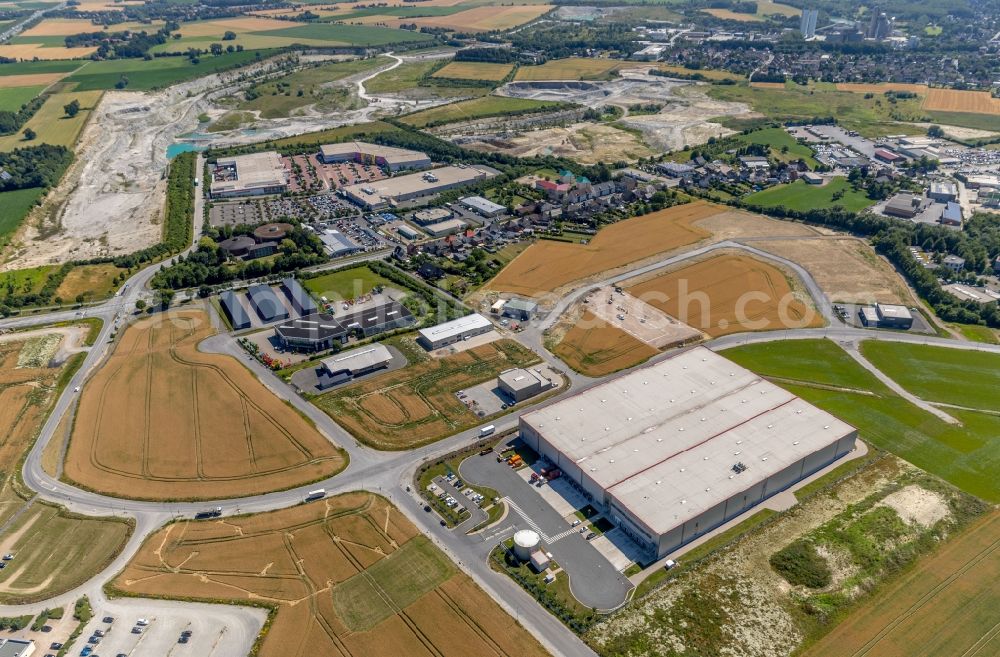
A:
(729, 294)
(595, 348)
(481, 19)
(571, 68)
(51, 123)
(29, 80)
(707, 73)
(162, 420)
(62, 27)
(347, 576)
(955, 100)
(474, 71)
(39, 51)
(547, 265)
(730, 15)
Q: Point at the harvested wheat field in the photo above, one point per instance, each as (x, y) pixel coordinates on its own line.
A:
(30, 80)
(571, 68)
(161, 420)
(948, 605)
(39, 51)
(730, 293)
(62, 27)
(481, 19)
(346, 576)
(417, 404)
(593, 347)
(881, 88)
(956, 100)
(474, 71)
(546, 266)
(846, 269)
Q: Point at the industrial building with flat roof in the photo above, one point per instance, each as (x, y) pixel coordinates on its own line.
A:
(266, 303)
(315, 332)
(391, 191)
(446, 227)
(448, 333)
(237, 315)
(884, 315)
(16, 648)
(362, 152)
(520, 384)
(483, 206)
(431, 216)
(249, 175)
(675, 449)
(348, 364)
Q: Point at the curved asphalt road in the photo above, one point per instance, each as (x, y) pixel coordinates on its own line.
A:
(387, 473)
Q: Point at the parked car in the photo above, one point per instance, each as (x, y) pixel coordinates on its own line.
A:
(591, 535)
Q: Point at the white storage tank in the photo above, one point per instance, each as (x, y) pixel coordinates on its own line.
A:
(525, 542)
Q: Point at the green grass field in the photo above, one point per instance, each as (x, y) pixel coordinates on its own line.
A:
(155, 74)
(967, 120)
(968, 455)
(13, 98)
(51, 123)
(356, 35)
(23, 281)
(871, 117)
(27, 68)
(403, 577)
(778, 138)
(57, 551)
(939, 374)
(279, 97)
(801, 196)
(347, 284)
(473, 109)
(14, 207)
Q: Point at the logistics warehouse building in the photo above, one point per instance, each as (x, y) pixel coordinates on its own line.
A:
(391, 191)
(675, 449)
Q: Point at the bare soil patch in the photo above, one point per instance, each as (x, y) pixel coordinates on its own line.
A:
(161, 420)
(349, 575)
(846, 268)
(29, 80)
(593, 347)
(587, 143)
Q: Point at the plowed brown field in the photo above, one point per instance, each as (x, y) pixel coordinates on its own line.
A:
(728, 294)
(160, 420)
(595, 348)
(547, 265)
(306, 561)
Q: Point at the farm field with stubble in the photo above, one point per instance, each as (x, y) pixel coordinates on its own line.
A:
(162, 420)
(345, 576)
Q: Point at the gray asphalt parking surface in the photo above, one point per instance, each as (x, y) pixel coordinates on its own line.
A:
(593, 580)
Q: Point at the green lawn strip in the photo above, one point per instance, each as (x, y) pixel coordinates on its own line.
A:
(13, 98)
(976, 333)
(390, 584)
(403, 77)
(939, 374)
(801, 196)
(355, 35)
(967, 120)
(43, 66)
(778, 138)
(14, 207)
(815, 361)
(348, 284)
(156, 73)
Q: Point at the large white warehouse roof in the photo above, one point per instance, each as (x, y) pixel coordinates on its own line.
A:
(663, 440)
(455, 327)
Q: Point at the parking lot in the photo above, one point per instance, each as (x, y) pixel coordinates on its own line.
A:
(487, 398)
(214, 630)
(307, 379)
(594, 580)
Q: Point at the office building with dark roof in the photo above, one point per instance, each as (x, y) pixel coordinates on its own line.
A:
(298, 296)
(266, 303)
(237, 315)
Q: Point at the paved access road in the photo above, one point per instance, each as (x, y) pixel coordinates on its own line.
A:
(387, 473)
